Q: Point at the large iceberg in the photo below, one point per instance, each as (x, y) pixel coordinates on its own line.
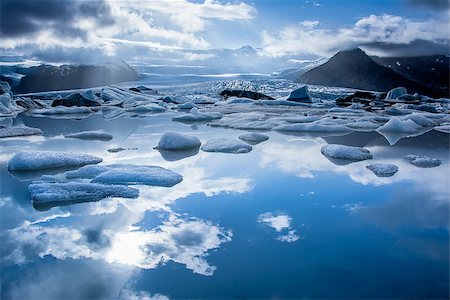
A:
(383, 170)
(91, 135)
(21, 130)
(226, 146)
(342, 154)
(145, 175)
(300, 95)
(57, 193)
(174, 141)
(32, 160)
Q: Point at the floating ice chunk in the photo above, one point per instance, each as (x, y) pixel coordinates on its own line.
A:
(253, 138)
(236, 100)
(196, 116)
(6, 106)
(19, 131)
(395, 93)
(342, 154)
(176, 141)
(89, 171)
(312, 127)
(57, 193)
(365, 126)
(301, 119)
(42, 160)
(170, 155)
(226, 146)
(149, 107)
(383, 170)
(247, 121)
(419, 120)
(91, 135)
(443, 128)
(397, 125)
(62, 110)
(300, 95)
(279, 102)
(423, 161)
(147, 175)
(186, 105)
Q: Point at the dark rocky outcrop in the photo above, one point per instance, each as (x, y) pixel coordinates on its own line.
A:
(75, 99)
(354, 69)
(245, 94)
(52, 78)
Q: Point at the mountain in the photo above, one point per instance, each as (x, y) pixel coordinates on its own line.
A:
(355, 69)
(52, 78)
(432, 71)
(298, 68)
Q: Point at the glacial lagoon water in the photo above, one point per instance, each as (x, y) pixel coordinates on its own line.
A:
(281, 221)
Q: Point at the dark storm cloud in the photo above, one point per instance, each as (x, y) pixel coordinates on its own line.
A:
(25, 17)
(415, 48)
(432, 4)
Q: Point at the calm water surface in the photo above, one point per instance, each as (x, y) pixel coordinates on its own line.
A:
(279, 222)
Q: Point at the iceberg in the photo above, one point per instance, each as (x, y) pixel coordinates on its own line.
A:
(91, 135)
(383, 170)
(146, 175)
(16, 131)
(196, 116)
(60, 193)
(32, 160)
(419, 120)
(226, 146)
(253, 138)
(342, 154)
(176, 141)
(365, 126)
(423, 161)
(395, 93)
(150, 107)
(443, 128)
(300, 95)
(396, 124)
(186, 105)
(312, 127)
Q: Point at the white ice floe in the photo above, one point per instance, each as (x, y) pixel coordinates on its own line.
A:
(253, 138)
(62, 110)
(91, 135)
(312, 127)
(41, 160)
(383, 170)
(396, 124)
(145, 175)
(423, 161)
(246, 121)
(89, 171)
(15, 131)
(342, 154)
(395, 93)
(149, 107)
(226, 146)
(176, 141)
(186, 105)
(419, 120)
(364, 126)
(301, 119)
(72, 192)
(443, 128)
(196, 116)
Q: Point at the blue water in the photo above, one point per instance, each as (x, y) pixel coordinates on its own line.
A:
(279, 222)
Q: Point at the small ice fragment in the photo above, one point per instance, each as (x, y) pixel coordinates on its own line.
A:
(186, 105)
(176, 141)
(147, 175)
(91, 135)
(423, 161)
(74, 192)
(253, 138)
(383, 170)
(226, 146)
(19, 131)
(342, 154)
(42, 160)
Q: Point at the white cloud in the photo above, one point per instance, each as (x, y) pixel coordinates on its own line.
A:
(307, 38)
(280, 222)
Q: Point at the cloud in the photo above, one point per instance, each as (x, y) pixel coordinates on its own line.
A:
(280, 222)
(378, 32)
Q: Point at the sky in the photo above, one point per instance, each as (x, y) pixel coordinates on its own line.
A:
(182, 31)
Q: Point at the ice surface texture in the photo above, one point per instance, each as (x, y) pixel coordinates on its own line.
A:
(226, 146)
(19, 131)
(253, 138)
(41, 160)
(344, 153)
(176, 141)
(423, 161)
